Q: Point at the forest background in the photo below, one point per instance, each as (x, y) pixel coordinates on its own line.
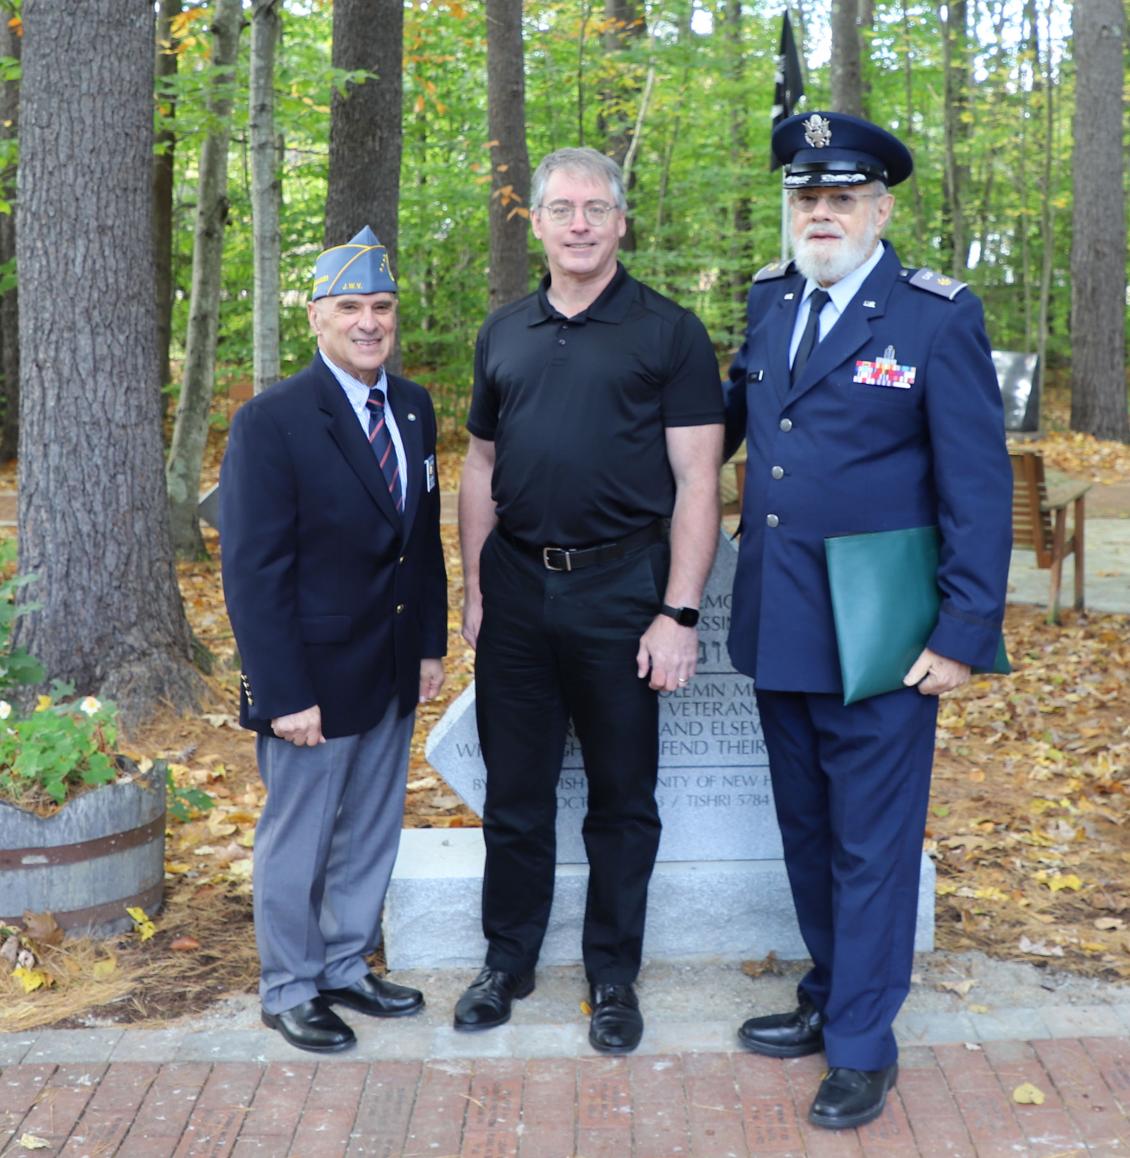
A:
(170, 172)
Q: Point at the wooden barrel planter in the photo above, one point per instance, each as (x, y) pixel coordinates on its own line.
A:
(101, 852)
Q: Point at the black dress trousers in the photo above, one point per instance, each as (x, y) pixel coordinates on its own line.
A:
(555, 646)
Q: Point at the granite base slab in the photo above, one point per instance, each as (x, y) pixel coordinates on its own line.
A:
(697, 910)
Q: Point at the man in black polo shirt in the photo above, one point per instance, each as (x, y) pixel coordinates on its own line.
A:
(595, 426)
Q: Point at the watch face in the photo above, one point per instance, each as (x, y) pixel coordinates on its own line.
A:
(684, 616)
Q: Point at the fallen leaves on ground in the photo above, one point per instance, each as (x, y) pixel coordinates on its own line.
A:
(1027, 824)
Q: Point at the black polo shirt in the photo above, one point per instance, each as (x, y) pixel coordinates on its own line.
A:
(577, 409)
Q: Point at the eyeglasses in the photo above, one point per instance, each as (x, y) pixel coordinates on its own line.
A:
(841, 204)
(562, 212)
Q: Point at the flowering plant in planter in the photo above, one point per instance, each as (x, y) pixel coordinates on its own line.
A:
(63, 745)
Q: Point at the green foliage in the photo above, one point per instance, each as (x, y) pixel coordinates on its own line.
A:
(185, 804)
(701, 161)
(17, 667)
(63, 745)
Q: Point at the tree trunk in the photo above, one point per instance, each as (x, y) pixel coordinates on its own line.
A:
(847, 69)
(365, 130)
(953, 17)
(366, 133)
(9, 300)
(266, 192)
(164, 158)
(623, 25)
(93, 520)
(190, 432)
(1098, 249)
(741, 257)
(908, 113)
(509, 276)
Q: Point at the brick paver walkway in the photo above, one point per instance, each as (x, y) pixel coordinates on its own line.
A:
(950, 1100)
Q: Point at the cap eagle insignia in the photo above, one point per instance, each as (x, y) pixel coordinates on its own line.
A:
(818, 131)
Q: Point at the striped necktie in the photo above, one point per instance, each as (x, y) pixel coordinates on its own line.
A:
(381, 442)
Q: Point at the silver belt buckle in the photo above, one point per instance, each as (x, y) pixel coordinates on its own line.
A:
(564, 555)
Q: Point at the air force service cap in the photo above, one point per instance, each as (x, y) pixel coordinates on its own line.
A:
(358, 267)
(822, 149)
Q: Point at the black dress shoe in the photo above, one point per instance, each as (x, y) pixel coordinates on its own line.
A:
(851, 1097)
(377, 997)
(313, 1025)
(616, 1025)
(795, 1034)
(488, 999)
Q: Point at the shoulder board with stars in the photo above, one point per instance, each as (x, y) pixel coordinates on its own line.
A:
(774, 269)
(936, 283)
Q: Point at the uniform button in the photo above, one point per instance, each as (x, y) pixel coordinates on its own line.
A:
(561, 341)
(778, 472)
(772, 521)
(400, 609)
(786, 424)
(401, 561)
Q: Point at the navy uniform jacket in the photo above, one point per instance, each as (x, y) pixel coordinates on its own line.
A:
(841, 453)
(333, 597)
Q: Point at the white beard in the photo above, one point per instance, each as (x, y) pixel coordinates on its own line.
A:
(827, 263)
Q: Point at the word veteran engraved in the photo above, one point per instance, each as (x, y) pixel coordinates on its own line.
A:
(714, 793)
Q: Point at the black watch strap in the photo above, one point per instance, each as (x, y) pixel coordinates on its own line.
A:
(684, 616)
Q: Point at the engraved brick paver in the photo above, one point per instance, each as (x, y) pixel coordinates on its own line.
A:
(951, 1101)
(381, 1125)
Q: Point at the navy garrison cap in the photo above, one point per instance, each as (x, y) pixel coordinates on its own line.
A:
(819, 149)
(358, 267)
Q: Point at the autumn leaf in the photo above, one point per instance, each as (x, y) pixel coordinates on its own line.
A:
(1064, 881)
(961, 988)
(104, 967)
(184, 944)
(32, 979)
(143, 924)
(33, 1142)
(1027, 1094)
(42, 928)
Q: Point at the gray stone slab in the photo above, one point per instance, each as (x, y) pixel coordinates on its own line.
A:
(698, 910)
(64, 1046)
(714, 793)
(934, 1028)
(1011, 1024)
(14, 1047)
(689, 1037)
(1082, 1021)
(148, 1045)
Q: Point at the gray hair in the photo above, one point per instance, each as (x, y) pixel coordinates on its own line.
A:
(584, 162)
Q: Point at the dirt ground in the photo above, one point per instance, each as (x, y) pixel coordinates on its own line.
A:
(1027, 825)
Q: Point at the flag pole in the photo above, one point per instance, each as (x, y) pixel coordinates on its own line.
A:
(789, 89)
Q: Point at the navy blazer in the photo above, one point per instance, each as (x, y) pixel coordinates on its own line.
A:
(334, 598)
(857, 446)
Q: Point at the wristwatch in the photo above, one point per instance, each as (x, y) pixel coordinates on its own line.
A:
(683, 616)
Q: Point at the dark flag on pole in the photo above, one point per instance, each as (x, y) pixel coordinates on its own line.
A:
(790, 81)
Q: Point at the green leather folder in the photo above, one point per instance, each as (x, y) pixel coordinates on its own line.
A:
(885, 601)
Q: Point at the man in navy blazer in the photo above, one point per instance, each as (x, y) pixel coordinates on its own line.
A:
(336, 589)
(868, 400)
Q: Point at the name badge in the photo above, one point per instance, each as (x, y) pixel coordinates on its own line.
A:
(430, 472)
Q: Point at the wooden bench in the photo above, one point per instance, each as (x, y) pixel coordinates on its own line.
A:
(1039, 523)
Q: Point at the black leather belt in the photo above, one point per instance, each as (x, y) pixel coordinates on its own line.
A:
(574, 558)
